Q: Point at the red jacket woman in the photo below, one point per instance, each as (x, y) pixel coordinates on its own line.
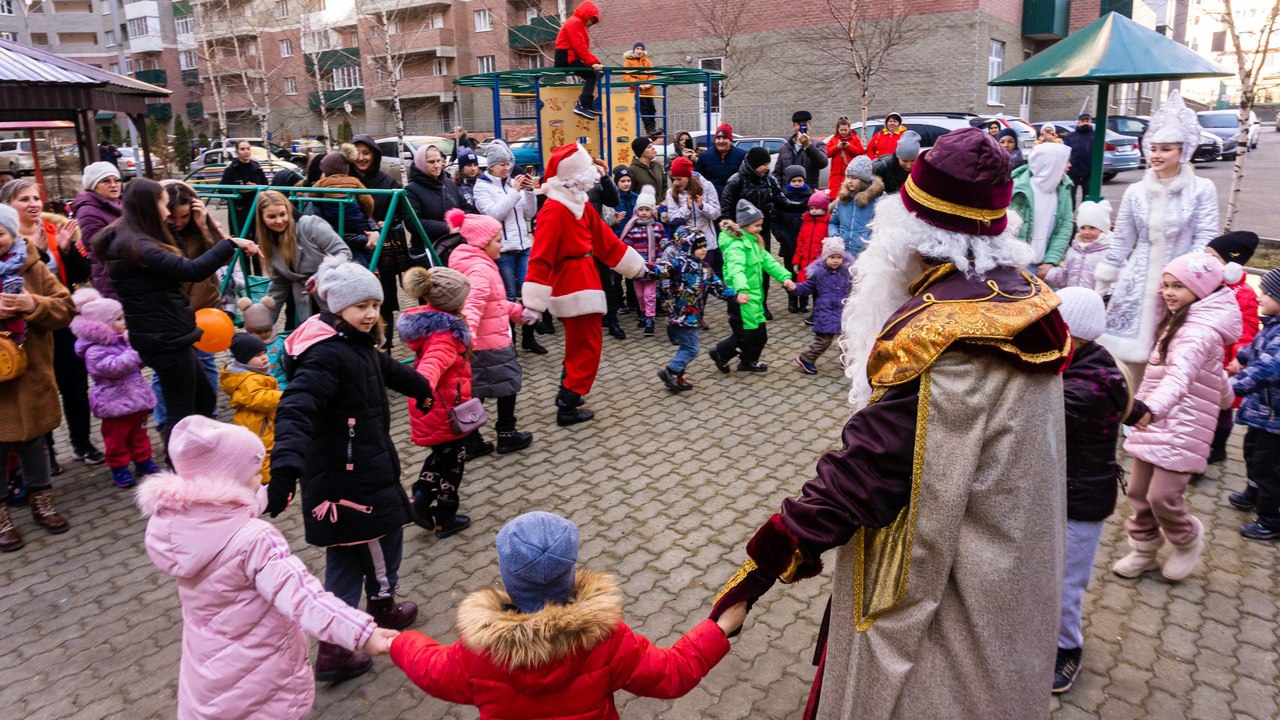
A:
(885, 141)
(842, 148)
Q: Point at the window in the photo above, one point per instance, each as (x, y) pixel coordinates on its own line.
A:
(535, 61)
(995, 68)
(286, 48)
(485, 64)
(282, 9)
(317, 40)
(716, 92)
(13, 37)
(381, 75)
(108, 38)
(484, 21)
(440, 67)
(128, 66)
(1220, 41)
(435, 21)
(291, 86)
(530, 15)
(187, 59)
(184, 25)
(250, 48)
(140, 27)
(38, 38)
(114, 67)
(345, 78)
(6, 7)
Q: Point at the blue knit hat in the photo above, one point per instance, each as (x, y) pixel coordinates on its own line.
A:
(537, 553)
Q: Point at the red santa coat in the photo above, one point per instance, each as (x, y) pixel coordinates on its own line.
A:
(562, 274)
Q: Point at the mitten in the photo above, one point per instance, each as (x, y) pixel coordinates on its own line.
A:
(279, 491)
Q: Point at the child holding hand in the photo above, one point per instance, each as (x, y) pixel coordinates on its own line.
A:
(1088, 248)
(649, 238)
(247, 602)
(686, 280)
(1257, 380)
(253, 392)
(120, 395)
(745, 262)
(555, 639)
(830, 278)
(1184, 388)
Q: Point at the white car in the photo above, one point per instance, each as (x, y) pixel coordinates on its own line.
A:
(131, 164)
(15, 155)
(392, 161)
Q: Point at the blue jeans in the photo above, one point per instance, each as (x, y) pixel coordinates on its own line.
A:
(512, 267)
(687, 345)
(1082, 544)
(210, 366)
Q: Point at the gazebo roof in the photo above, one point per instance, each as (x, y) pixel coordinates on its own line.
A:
(1111, 49)
(35, 83)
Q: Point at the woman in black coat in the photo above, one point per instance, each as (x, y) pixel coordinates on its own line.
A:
(243, 170)
(149, 273)
(431, 193)
(394, 258)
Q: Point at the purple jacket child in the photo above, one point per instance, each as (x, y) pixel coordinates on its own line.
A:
(118, 386)
(831, 288)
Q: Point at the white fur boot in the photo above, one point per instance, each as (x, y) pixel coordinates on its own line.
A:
(1183, 560)
(1140, 560)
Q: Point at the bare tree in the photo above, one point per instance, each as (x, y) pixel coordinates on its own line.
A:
(861, 48)
(723, 22)
(210, 54)
(1249, 64)
(311, 50)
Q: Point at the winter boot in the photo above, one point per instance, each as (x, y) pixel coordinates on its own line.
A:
(449, 527)
(682, 384)
(648, 327)
(509, 442)
(1142, 559)
(45, 514)
(145, 468)
(476, 446)
(615, 329)
(392, 615)
(334, 664)
(122, 478)
(668, 378)
(803, 304)
(569, 409)
(88, 454)
(546, 326)
(1182, 562)
(10, 540)
(529, 341)
(1246, 500)
(420, 508)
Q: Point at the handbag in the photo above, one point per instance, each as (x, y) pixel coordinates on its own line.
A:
(13, 358)
(466, 416)
(395, 257)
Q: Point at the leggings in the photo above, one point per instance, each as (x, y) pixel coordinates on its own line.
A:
(183, 384)
(1158, 499)
(749, 343)
(373, 566)
(506, 414)
(439, 480)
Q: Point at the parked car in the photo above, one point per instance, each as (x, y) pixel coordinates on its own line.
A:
(1209, 149)
(393, 160)
(1226, 125)
(209, 165)
(131, 165)
(527, 152)
(15, 155)
(277, 150)
(1026, 134)
(1120, 152)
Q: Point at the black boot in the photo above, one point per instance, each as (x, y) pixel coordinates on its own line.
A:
(452, 525)
(546, 326)
(529, 341)
(611, 322)
(509, 442)
(333, 663)
(803, 303)
(569, 408)
(793, 304)
(476, 446)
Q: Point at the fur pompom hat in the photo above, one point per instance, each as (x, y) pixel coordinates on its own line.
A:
(258, 316)
(647, 198)
(339, 163)
(477, 230)
(443, 288)
(91, 305)
(1083, 311)
(341, 284)
(1095, 214)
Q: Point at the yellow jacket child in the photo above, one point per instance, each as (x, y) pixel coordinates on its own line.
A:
(254, 392)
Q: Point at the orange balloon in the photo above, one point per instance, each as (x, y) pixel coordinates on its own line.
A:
(218, 330)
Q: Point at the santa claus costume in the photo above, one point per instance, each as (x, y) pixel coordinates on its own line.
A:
(568, 237)
(946, 500)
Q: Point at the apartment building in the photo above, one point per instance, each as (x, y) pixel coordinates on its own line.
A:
(1207, 33)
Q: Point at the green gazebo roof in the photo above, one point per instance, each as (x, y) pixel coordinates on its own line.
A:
(1111, 49)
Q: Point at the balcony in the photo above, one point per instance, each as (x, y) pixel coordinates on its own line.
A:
(330, 59)
(438, 42)
(541, 31)
(190, 77)
(1045, 19)
(369, 7)
(416, 86)
(195, 110)
(160, 111)
(155, 77)
(337, 99)
(146, 44)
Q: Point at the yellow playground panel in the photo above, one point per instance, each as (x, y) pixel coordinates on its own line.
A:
(559, 126)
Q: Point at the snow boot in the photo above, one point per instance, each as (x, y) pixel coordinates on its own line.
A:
(475, 446)
(1182, 562)
(668, 378)
(145, 468)
(392, 615)
(451, 526)
(1141, 560)
(648, 327)
(509, 442)
(569, 409)
(335, 664)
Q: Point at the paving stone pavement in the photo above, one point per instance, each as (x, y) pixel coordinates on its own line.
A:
(666, 489)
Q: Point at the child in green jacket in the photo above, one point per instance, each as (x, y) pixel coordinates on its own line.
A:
(745, 262)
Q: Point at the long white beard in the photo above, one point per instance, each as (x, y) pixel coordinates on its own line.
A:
(893, 259)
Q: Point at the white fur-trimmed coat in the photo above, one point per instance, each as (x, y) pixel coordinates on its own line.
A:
(1157, 222)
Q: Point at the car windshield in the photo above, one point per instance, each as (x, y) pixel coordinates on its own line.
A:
(1220, 121)
(1021, 127)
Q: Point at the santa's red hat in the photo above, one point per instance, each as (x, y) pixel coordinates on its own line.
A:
(568, 161)
(961, 184)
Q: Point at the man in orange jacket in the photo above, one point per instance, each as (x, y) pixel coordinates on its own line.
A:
(573, 50)
(638, 57)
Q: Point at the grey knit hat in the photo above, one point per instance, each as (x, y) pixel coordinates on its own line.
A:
(908, 146)
(746, 213)
(1271, 284)
(498, 152)
(341, 284)
(94, 173)
(537, 554)
(443, 288)
(859, 168)
(9, 220)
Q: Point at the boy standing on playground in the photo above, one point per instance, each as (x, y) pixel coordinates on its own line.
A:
(573, 50)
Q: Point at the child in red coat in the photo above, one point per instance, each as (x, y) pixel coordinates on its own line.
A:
(441, 345)
(554, 644)
(813, 231)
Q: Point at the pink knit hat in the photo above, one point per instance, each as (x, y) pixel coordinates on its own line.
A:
(1200, 272)
(477, 230)
(92, 306)
(820, 199)
(203, 449)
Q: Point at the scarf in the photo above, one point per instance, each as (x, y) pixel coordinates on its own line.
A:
(1048, 165)
(11, 282)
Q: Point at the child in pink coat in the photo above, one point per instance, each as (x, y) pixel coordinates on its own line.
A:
(1184, 388)
(247, 602)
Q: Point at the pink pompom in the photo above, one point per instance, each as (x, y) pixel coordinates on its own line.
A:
(455, 217)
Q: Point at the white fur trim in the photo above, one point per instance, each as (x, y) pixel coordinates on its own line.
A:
(631, 265)
(167, 491)
(535, 296)
(1106, 272)
(582, 302)
(576, 202)
(575, 164)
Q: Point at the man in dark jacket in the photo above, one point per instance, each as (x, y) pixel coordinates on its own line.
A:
(243, 170)
(109, 153)
(889, 172)
(1081, 142)
(461, 142)
(801, 150)
(719, 162)
(754, 183)
(645, 170)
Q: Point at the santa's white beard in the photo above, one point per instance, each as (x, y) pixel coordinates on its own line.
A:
(893, 259)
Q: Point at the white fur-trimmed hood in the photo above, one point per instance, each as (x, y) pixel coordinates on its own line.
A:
(168, 491)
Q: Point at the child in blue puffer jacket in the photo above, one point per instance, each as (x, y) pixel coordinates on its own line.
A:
(686, 280)
(1257, 381)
